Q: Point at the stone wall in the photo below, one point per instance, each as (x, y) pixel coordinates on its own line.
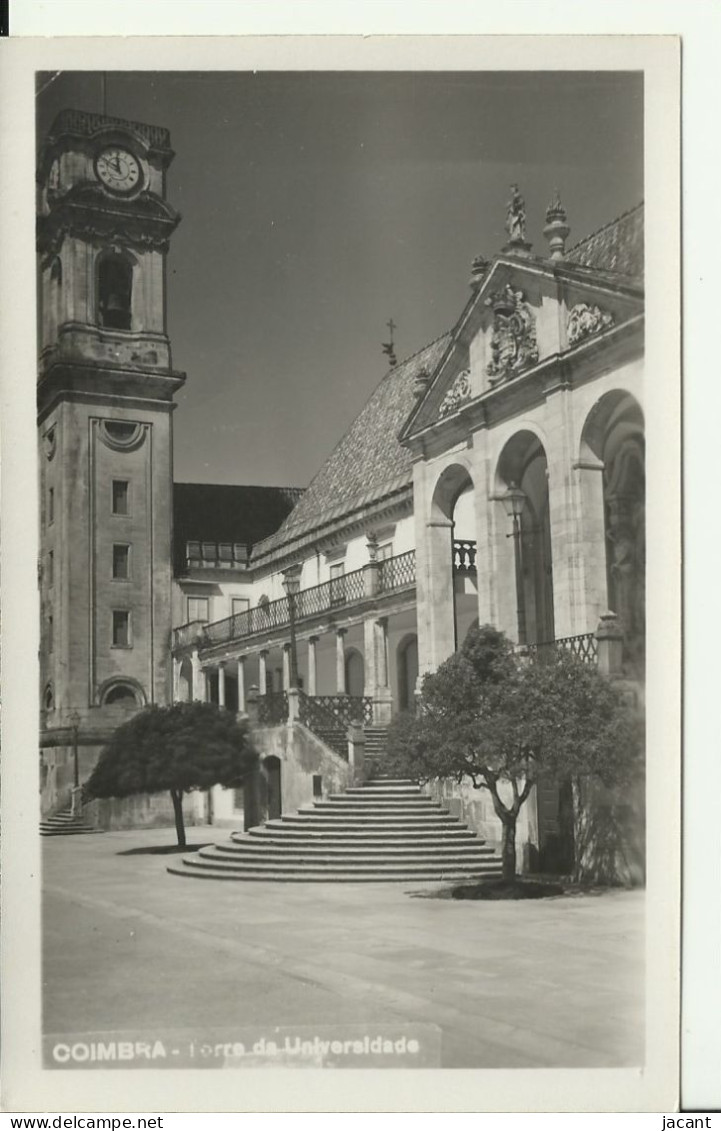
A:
(475, 808)
(302, 756)
(142, 811)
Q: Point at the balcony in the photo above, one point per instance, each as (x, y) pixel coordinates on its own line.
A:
(393, 576)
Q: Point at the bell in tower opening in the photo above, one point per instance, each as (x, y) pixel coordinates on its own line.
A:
(115, 289)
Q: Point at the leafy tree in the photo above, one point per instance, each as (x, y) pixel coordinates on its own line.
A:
(488, 716)
(180, 748)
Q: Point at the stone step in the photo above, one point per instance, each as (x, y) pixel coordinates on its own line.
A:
(387, 831)
(371, 790)
(373, 805)
(380, 852)
(58, 830)
(342, 836)
(282, 877)
(361, 821)
(274, 870)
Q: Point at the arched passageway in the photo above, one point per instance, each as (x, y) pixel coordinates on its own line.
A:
(274, 801)
(407, 672)
(354, 673)
(185, 681)
(523, 473)
(614, 435)
(451, 601)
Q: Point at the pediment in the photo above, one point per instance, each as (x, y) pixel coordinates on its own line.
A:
(524, 312)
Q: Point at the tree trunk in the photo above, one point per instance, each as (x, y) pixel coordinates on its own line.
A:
(177, 796)
(508, 848)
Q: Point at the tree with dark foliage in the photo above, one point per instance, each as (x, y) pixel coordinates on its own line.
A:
(181, 748)
(489, 716)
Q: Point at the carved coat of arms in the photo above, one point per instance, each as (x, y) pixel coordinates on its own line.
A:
(585, 320)
(513, 344)
(459, 392)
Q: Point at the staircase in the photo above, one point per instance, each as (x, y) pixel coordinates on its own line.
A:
(383, 830)
(65, 824)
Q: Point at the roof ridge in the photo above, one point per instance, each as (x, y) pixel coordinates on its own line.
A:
(238, 486)
(608, 224)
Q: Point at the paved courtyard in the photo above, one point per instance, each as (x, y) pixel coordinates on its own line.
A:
(128, 947)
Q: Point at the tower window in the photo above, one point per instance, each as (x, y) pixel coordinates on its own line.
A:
(121, 628)
(121, 562)
(51, 505)
(120, 496)
(115, 288)
(51, 567)
(51, 635)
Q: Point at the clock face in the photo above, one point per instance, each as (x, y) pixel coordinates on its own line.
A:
(118, 169)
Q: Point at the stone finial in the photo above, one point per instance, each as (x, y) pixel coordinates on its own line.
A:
(421, 382)
(478, 272)
(557, 229)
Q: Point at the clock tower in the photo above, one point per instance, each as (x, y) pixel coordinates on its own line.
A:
(105, 399)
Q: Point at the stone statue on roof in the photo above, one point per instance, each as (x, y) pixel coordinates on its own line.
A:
(516, 217)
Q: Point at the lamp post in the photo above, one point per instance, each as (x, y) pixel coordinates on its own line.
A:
(75, 724)
(291, 584)
(514, 501)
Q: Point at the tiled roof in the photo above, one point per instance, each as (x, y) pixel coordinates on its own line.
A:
(368, 462)
(218, 512)
(617, 246)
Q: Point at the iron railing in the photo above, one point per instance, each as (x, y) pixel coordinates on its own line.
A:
(464, 556)
(314, 714)
(398, 572)
(584, 647)
(348, 709)
(273, 708)
(394, 573)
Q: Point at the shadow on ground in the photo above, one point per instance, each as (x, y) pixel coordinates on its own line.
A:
(163, 849)
(521, 889)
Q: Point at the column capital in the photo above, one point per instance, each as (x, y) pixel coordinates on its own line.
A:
(287, 646)
(264, 652)
(313, 639)
(341, 631)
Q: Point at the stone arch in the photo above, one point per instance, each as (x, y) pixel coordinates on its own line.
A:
(121, 691)
(613, 437)
(452, 482)
(407, 668)
(522, 463)
(271, 767)
(452, 599)
(185, 680)
(354, 672)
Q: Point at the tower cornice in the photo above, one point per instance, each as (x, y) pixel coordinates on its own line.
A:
(85, 211)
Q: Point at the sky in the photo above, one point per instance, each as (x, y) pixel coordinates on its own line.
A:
(318, 205)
